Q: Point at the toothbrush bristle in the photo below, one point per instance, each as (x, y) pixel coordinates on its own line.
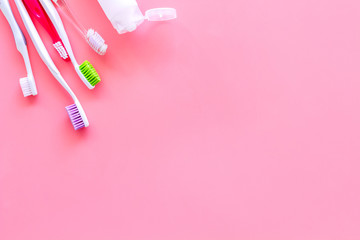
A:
(61, 50)
(89, 73)
(26, 87)
(96, 42)
(75, 116)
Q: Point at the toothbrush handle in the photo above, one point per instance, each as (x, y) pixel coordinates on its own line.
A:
(20, 39)
(35, 9)
(71, 17)
(18, 34)
(39, 45)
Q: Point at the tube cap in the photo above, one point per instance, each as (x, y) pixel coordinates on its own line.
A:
(160, 14)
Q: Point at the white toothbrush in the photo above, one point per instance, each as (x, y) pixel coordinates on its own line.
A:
(96, 42)
(27, 84)
(76, 112)
(56, 20)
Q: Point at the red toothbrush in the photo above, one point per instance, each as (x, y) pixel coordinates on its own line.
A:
(36, 10)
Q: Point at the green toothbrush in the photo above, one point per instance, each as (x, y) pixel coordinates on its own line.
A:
(86, 71)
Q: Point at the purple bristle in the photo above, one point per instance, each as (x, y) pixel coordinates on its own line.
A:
(75, 116)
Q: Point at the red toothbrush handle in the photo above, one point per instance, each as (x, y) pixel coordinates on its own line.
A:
(36, 10)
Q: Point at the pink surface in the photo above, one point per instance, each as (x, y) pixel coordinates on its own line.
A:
(239, 120)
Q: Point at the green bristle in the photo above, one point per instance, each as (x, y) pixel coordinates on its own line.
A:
(89, 73)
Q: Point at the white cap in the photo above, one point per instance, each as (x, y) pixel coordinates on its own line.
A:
(160, 14)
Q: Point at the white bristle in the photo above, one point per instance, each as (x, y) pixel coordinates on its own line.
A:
(96, 42)
(61, 50)
(26, 87)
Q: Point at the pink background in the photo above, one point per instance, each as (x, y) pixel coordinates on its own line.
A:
(239, 120)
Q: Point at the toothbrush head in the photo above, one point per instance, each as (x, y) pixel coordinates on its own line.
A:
(76, 117)
(61, 50)
(28, 87)
(89, 72)
(96, 42)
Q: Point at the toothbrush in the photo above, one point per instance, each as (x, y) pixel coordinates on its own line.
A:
(27, 84)
(35, 9)
(96, 42)
(86, 71)
(75, 111)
